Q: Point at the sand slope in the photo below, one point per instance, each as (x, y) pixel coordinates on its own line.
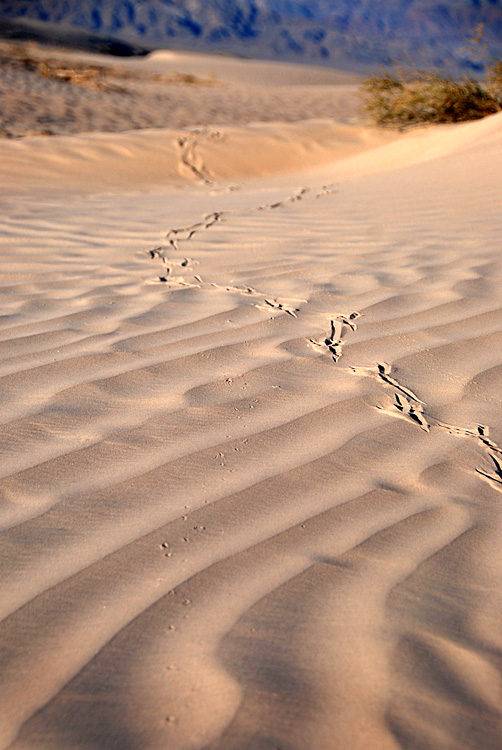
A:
(251, 476)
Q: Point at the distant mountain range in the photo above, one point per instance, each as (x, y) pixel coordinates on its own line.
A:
(340, 33)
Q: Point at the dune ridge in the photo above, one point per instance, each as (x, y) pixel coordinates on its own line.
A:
(251, 437)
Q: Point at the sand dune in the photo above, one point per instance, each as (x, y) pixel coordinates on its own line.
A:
(252, 439)
(164, 90)
(99, 162)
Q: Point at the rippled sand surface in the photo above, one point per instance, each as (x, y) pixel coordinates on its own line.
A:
(252, 439)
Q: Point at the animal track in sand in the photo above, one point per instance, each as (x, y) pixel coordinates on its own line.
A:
(413, 410)
(280, 204)
(185, 234)
(407, 405)
(179, 235)
(188, 144)
(406, 408)
(382, 371)
(497, 476)
(170, 264)
(268, 303)
(334, 341)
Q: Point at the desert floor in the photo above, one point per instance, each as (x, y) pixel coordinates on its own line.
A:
(251, 385)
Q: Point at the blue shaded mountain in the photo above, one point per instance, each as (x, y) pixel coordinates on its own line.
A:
(347, 33)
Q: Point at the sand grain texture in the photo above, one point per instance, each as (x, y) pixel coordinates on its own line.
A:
(252, 439)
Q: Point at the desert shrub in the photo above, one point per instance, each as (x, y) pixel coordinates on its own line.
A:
(494, 80)
(413, 97)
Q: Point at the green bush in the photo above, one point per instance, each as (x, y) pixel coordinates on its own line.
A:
(413, 97)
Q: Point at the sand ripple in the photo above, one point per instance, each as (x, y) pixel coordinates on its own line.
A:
(251, 475)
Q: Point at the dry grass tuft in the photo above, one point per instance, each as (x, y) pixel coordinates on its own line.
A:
(414, 97)
(80, 74)
(91, 76)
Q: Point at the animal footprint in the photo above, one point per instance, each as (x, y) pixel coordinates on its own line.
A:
(327, 190)
(280, 204)
(268, 303)
(483, 431)
(178, 281)
(334, 341)
(497, 475)
(407, 410)
(185, 234)
(188, 144)
(383, 372)
(454, 430)
(238, 289)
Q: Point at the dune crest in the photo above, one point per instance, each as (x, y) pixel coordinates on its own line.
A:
(162, 158)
